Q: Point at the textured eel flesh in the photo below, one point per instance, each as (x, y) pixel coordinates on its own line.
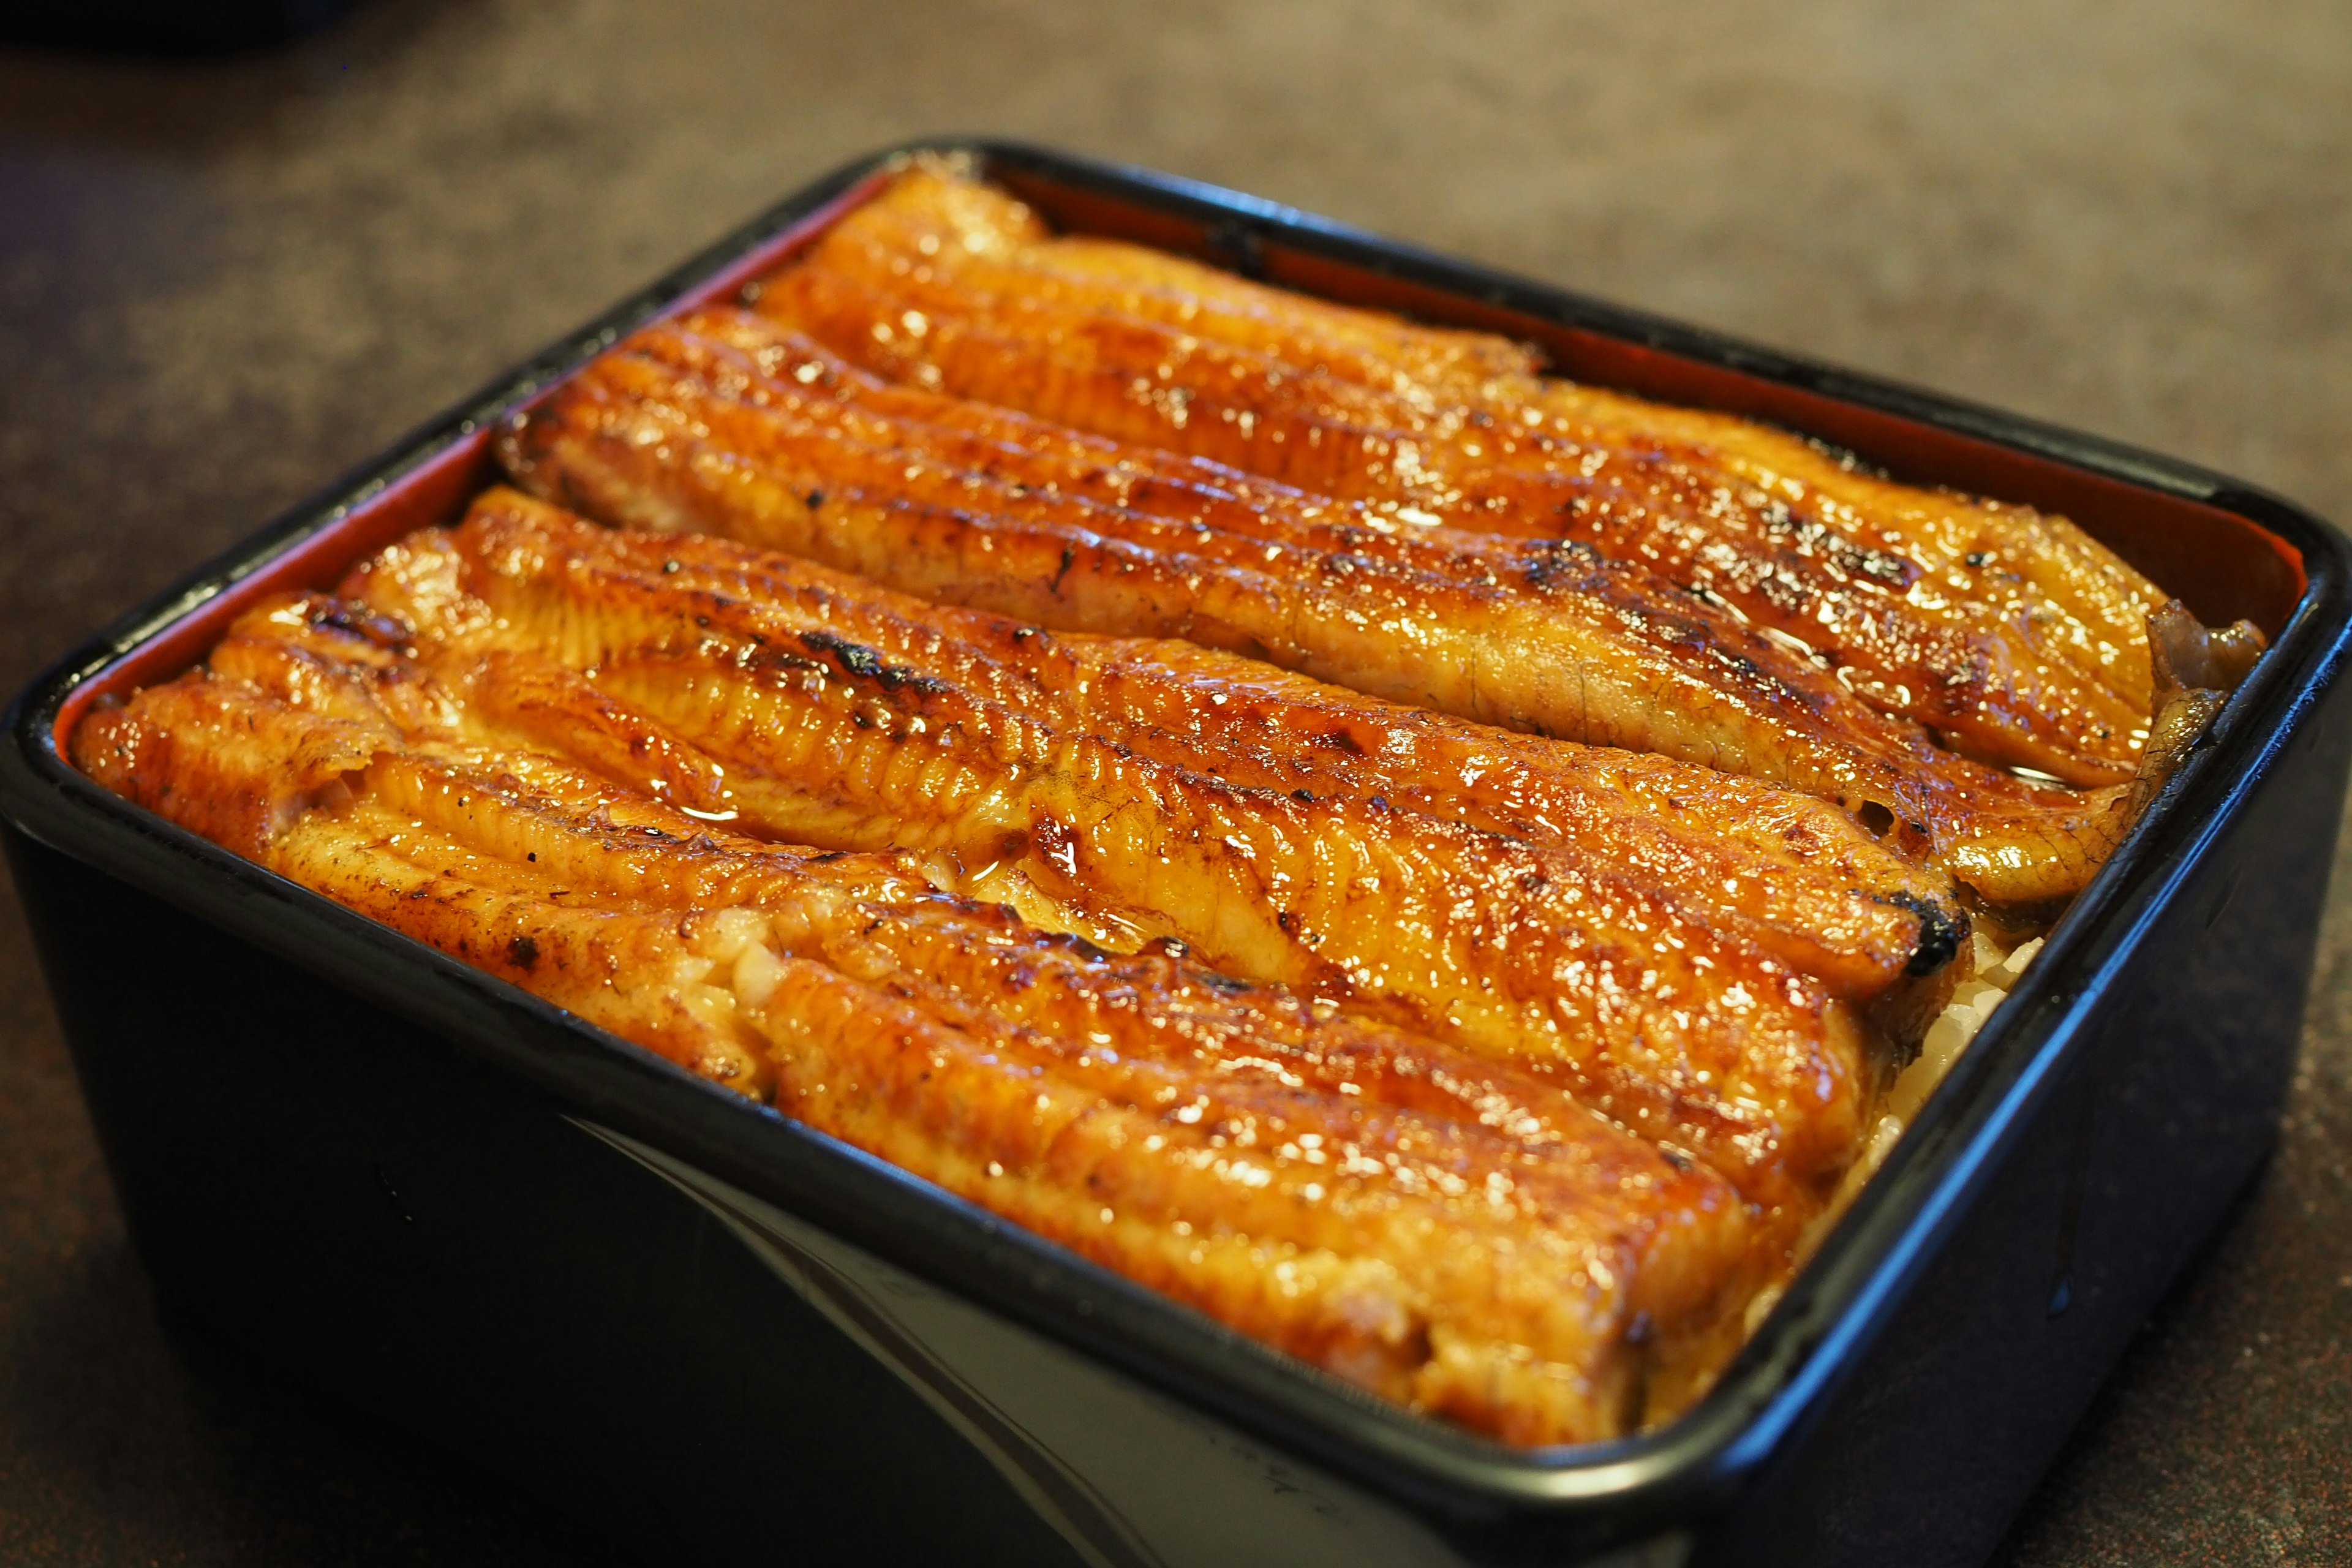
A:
(723, 424)
(1789, 873)
(1418, 1220)
(749, 695)
(2020, 639)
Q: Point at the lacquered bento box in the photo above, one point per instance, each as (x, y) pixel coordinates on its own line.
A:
(717, 1337)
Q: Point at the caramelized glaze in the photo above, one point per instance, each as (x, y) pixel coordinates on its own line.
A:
(1436, 1225)
(700, 675)
(2014, 633)
(719, 424)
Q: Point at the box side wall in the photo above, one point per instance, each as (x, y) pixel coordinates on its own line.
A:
(350, 1201)
(2124, 1165)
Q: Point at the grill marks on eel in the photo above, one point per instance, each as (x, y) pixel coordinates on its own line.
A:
(1532, 954)
(2015, 633)
(1789, 874)
(723, 424)
(1441, 1229)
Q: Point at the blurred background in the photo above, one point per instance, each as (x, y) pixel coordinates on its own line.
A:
(225, 278)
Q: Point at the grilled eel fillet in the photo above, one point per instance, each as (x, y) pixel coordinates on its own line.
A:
(2017, 636)
(745, 698)
(1422, 1222)
(1792, 875)
(720, 423)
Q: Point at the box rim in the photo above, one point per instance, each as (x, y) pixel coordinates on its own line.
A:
(1695, 1464)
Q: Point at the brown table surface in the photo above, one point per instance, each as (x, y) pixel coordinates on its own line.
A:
(222, 283)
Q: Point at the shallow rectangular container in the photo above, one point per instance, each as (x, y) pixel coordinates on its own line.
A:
(717, 1337)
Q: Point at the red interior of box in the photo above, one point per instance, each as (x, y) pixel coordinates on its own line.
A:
(2221, 564)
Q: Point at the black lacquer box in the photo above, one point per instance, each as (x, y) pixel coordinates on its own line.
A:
(717, 1337)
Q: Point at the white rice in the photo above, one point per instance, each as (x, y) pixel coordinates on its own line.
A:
(1973, 1001)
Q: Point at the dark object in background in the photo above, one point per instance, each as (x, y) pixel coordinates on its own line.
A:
(722, 1338)
(161, 28)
